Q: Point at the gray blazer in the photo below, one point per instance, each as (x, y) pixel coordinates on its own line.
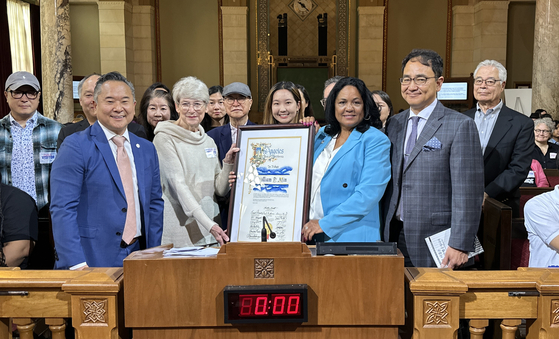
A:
(442, 184)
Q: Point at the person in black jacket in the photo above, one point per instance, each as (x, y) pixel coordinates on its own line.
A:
(86, 88)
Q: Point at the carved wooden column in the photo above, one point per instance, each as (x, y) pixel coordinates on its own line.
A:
(477, 328)
(57, 327)
(56, 61)
(509, 328)
(95, 303)
(25, 327)
(436, 309)
(547, 323)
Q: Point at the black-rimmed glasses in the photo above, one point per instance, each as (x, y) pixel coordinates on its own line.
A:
(18, 94)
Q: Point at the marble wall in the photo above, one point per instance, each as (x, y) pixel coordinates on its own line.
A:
(370, 45)
(479, 33)
(235, 44)
(127, 41)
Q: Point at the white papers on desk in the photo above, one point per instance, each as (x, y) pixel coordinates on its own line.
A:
(438, 244)
(190, 252)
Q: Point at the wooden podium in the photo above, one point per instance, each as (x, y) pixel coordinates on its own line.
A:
(348, 296)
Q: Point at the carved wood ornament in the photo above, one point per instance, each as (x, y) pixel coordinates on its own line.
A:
(94, 311)
(436, 313)
(263, 268)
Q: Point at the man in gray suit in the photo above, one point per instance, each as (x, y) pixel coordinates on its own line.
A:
(437, 169)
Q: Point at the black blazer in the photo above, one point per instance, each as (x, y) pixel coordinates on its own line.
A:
(222, 138)
(135, 128)
(508, 154)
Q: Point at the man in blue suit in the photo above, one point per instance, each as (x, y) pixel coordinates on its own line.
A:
(237, 99)
(98, 215)
(437, 169)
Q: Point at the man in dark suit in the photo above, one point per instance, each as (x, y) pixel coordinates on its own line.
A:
(436, 169)
(506, 136)
(85, 91)
(105, 186)
(237, 99)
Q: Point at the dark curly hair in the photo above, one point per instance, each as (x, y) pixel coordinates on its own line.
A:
(371, 114)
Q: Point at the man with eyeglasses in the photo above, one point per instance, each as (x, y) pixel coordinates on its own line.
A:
(86, 87)
(237, 100)
(28, 141)
(436, 169)
(506, 136)
(328, 85)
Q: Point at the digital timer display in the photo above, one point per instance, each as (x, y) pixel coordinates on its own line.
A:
(265, 303)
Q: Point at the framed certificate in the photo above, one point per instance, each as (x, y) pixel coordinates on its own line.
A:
(270, 197)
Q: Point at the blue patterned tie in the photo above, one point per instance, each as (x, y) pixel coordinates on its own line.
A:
(412, 139)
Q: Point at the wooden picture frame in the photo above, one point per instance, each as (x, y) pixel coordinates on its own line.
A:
(274, 171)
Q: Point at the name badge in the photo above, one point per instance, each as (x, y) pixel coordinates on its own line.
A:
(211, 153)
(47, 157)
(552, 155)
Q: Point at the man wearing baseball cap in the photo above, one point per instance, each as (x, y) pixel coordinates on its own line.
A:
(29, 143)
(237, 100)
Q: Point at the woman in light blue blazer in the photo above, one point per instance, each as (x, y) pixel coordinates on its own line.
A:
(351, 168)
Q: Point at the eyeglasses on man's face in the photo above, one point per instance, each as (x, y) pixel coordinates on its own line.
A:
(31, 95)
(419, 81)
(231, 100)
(542, 131)
(488, 81)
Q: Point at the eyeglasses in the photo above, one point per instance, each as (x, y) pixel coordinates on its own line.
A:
(18, 95)
(542, 131)
(419, 81)
(197, 105)
(230, 101)
(488, 81)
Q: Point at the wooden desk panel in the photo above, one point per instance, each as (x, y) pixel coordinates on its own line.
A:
(188, 292)
(255, 332)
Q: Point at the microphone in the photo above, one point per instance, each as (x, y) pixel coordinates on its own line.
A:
(263, 233)
(265, 222)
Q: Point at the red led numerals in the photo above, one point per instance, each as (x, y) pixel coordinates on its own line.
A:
(246, 305)
(279, 305)
(261, 304)
(293, 305)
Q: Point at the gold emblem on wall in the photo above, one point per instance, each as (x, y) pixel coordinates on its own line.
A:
(302, 7)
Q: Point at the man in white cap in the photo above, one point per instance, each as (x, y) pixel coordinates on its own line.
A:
(29, 143)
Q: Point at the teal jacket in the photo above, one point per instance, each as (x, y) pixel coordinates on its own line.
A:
(353, 186)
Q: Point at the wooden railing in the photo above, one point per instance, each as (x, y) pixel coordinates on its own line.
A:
(92, 299)
(441, 298)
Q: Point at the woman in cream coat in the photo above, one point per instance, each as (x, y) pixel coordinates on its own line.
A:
(190, 171)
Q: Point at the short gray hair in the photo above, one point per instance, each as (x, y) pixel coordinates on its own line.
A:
(82, 81)
(332, 80)
(191, 88)
(548, 122)
(493, 63)
(112, 76)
